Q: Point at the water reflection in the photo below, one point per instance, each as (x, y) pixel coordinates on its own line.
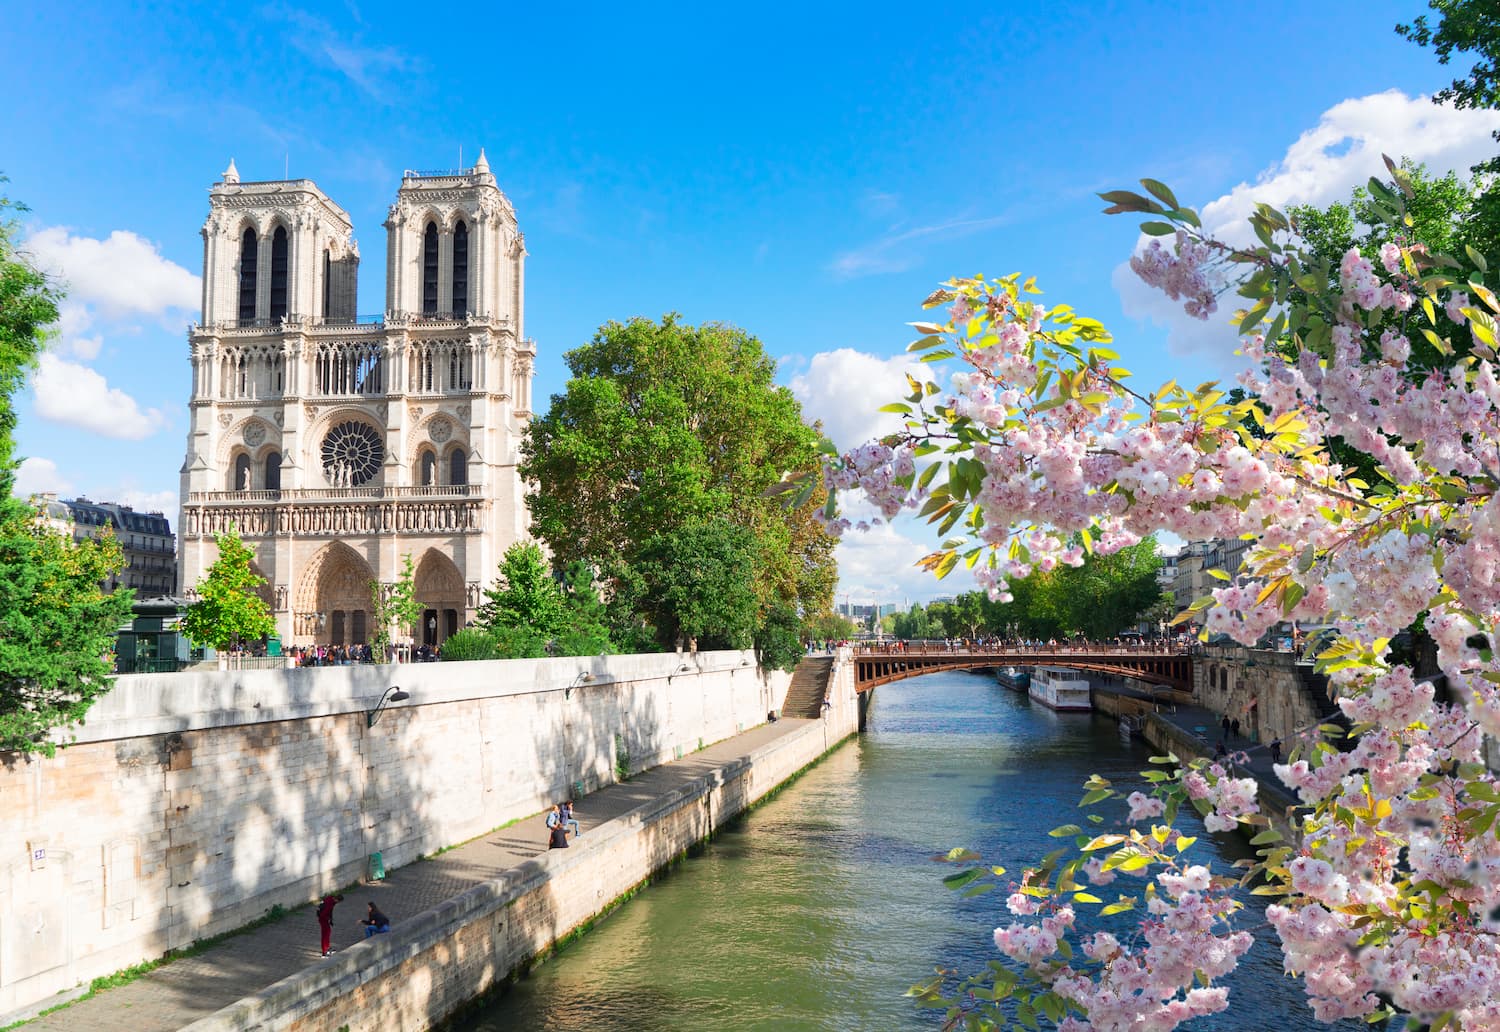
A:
(820, 908)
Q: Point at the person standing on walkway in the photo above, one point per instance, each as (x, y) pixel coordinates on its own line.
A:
(1276, 749)
(325, 920)
(1225, 725)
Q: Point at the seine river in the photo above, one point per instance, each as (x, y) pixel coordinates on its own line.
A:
(820, 908)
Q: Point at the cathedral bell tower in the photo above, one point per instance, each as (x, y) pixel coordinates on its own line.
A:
(337, 443)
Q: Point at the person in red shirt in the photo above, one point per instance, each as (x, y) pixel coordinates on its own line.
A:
(325, 920)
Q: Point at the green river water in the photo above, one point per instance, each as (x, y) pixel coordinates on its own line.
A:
(819, 909)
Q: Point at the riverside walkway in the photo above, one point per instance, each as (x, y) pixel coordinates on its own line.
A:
(191, 988)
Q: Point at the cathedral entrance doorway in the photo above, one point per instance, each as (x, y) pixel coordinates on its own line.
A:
(438, 585)
(333, 603)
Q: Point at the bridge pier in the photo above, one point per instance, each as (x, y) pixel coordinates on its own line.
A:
(865, 698)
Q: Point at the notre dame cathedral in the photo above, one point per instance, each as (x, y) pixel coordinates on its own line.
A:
(337, 443)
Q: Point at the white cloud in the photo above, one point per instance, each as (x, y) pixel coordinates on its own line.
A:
(37, 475)
(141, 500)
(76, 395)
(900, 249)
(1324, 165)
(123, 274)
(879, 565)
(368, 67)
(845, 389)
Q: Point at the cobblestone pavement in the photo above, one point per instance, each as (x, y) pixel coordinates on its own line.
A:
(183, 991)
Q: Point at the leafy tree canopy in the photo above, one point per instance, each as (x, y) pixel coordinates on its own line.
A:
(57, 626)
(524, 599)
(1464, 27)
(665, 429)
(229, 610)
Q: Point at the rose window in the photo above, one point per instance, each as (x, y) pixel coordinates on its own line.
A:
(351, 454)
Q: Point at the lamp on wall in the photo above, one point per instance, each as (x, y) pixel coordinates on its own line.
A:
(583, 678)
(392, 694)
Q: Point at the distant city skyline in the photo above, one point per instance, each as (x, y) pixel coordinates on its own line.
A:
(809, 175)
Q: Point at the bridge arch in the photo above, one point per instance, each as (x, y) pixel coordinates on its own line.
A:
(877, 665)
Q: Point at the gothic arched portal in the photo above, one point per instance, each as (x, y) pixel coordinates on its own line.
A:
(439, 587)
(333, 600)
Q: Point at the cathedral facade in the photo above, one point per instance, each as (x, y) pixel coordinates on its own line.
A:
(336, 443)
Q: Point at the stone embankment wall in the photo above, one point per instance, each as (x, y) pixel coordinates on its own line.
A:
(192, 803)
(437, 962)
(1259, 688)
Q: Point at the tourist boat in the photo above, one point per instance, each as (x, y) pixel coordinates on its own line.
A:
(1060, 689)
(1014, 678)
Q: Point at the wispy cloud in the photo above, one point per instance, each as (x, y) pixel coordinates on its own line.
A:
(367, 66)
(898, 250)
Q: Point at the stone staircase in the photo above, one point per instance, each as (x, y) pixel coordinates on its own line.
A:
(804, 696)
(1315, 687)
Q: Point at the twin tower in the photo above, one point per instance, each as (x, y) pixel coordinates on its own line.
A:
(337, 443)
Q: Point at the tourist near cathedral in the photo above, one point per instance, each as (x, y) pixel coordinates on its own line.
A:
(337, 443)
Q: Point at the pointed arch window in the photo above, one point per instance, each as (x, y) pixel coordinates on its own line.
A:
(278, 273)
(430, 270)
(273, 471)
(240, 478)
(460, 270)
(249, 256)
(428, 474)
(458, 467)
(327, 283)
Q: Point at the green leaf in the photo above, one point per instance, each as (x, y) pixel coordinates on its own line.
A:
(1158, 228)
(1161, 192)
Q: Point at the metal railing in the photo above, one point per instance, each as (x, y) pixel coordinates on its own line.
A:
(938, 648)
(348, 320)
(440, 173)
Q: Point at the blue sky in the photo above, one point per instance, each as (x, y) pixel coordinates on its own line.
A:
(806, 172)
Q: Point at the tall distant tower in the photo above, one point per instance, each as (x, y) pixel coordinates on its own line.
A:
(337, 443)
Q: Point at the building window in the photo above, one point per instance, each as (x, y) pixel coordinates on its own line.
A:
(278, 273)
(327, 282)
(241, 477)
(273, 471)
(249, 255)
(427, 475)
(430, 270)
(460, 270)
(458, 467)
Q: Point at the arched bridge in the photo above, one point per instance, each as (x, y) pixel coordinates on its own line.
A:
(1168, 665)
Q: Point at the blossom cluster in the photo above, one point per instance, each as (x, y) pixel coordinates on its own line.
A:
(1066, 448)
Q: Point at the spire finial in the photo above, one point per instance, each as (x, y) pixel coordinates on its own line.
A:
(231, 174)
(483, 164)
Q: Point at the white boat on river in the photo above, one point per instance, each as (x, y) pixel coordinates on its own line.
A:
(1060, 688)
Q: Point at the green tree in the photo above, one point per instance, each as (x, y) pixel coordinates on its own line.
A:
(779, 638)
(664, 429)
(394, 604)
(585, 620)
(57, 626)
(698, 585)
(830, 627)
(229, 612)
(468, 644)
(1464, 27)
(523, 609)
(914, 624)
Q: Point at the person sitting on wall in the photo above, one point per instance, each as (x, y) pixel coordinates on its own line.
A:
(565, 813)
(558, 837)
(375, 922)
